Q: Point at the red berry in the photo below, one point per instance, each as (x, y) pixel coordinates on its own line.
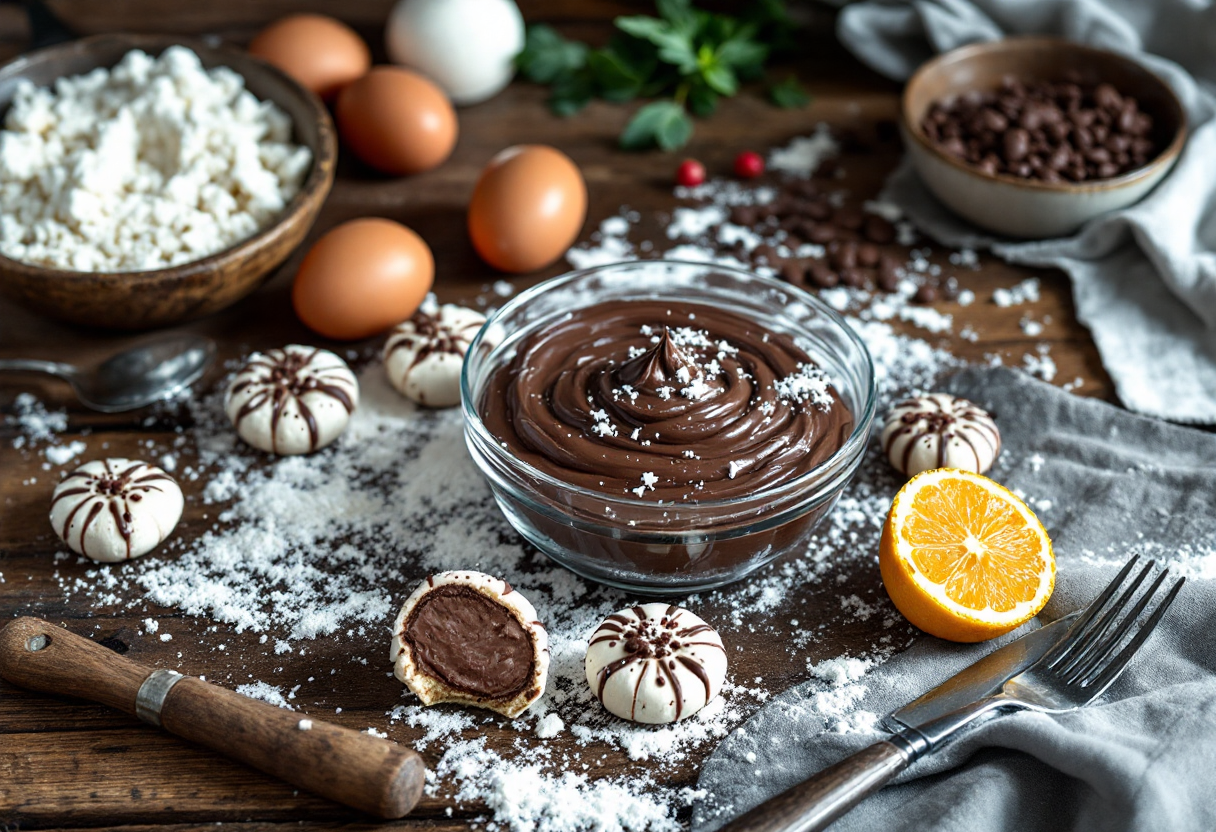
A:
(748, 165)
(690, 173)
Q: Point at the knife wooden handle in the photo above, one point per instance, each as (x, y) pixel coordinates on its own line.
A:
(813, 804)
(359, 770)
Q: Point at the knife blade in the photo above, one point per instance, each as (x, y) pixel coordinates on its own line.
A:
(981, 679)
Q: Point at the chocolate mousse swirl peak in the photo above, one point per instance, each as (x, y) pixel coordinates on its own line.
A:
(663, 401)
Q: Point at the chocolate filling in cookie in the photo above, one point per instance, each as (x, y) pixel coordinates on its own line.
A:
(474, 645)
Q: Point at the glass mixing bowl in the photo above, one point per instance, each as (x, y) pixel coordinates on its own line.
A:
(668, 549)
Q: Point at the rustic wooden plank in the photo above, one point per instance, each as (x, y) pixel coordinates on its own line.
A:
(143, 775)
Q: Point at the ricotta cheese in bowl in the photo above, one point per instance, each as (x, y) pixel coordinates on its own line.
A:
(152, 163)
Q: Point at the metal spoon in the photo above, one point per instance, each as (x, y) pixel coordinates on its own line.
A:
(136, 377)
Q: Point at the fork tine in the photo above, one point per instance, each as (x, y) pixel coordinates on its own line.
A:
(1115, 666)
(1100, 649)
(1079, 632)
(1058, 652)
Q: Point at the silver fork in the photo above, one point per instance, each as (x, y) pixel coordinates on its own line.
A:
(1075, 672)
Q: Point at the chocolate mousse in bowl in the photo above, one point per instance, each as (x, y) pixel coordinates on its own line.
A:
(664, 426)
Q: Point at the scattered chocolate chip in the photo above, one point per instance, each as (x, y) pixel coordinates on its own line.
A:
(794, 272)
(821, 275)
(744, 215)
(852, 277)
(843, 255)
(822, 233)
(888, 273)
(867, 255)
(878, 229)
(925, 294)
(849, 217)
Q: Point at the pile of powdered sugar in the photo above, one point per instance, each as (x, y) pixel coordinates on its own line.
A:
(328, 545)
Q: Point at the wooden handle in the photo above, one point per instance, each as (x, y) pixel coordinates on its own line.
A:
(364, 772)
(813, 804)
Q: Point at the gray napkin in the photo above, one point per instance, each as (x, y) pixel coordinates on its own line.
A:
(1144, 756)
(1144, 278)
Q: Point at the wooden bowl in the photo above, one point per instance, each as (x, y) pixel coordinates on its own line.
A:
(146, 299)
(1029, 208)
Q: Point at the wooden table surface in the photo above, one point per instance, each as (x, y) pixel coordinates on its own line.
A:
(68, 764)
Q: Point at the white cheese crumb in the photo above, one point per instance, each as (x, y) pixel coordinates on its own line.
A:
(155, 162)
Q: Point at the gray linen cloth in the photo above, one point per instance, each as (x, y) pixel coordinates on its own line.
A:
(1144, 278)
(1144, 756)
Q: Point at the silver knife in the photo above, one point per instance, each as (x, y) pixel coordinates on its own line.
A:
(979, 680)
(940, 712)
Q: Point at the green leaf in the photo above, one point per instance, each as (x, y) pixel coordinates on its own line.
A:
(789, 93)
(742, 52)
(547, 56)
(679, 13)
(675, 47)
(662, 123)
(721, 79)
(702, 101)
(618, 79)
(571, 93)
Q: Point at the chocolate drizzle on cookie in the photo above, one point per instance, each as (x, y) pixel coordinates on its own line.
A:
(660, 642)
(940, 431)
(425, 335)
(114, 491)
(280, 376)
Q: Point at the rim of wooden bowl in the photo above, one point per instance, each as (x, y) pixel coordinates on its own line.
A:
(318, 180)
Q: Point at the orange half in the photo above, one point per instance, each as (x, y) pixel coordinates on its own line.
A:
(963, 558)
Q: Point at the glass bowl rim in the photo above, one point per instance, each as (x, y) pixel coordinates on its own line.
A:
(854, 445)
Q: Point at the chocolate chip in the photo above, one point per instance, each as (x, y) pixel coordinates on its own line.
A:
(925, 294)
(821, 275)
(794, 272)
(822, 233)
(844, 256)
(744, 215)
(849, 217)
(888, 273)
(853, 277)
(878, 229)
(867, 255)
(1107, 97)
(1016, 144)
(818, 210)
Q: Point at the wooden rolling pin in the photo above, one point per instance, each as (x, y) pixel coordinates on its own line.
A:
(357, 769)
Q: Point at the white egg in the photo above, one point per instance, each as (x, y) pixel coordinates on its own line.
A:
(465, 46)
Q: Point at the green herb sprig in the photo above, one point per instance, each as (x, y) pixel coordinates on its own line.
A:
(687, 58)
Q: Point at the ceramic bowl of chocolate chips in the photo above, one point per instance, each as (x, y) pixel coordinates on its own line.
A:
(1033, 137)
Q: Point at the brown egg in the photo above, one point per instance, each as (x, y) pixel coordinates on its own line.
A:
(397, 121)
(362, 277)
(321, 53)
(527, 208)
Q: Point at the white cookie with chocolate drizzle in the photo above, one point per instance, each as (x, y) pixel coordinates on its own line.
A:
(293, 400)
(113, 510)
(655, 663)
(424, 355)
(940, 431)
